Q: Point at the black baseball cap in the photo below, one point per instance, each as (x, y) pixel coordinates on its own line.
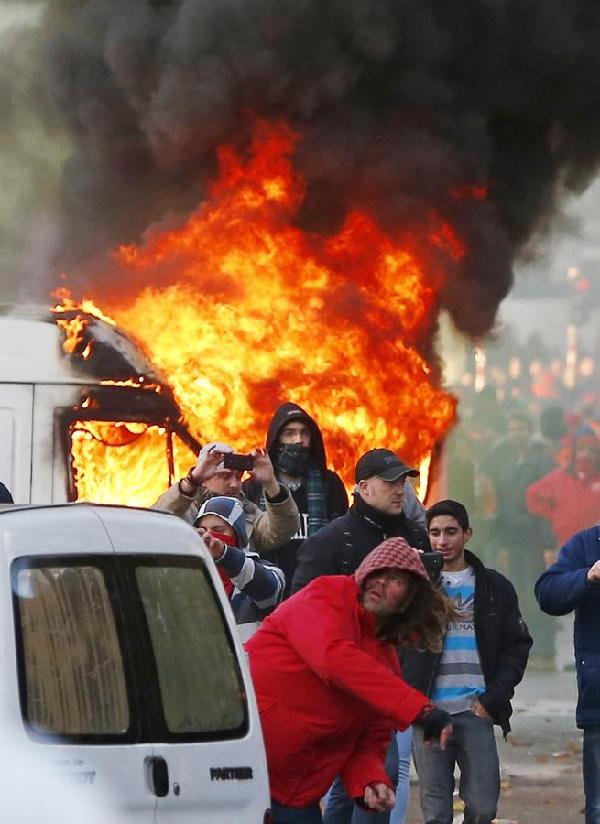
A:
(384, 463)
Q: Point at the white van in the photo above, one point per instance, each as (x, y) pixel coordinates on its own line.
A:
(83, 414)
(120, 665)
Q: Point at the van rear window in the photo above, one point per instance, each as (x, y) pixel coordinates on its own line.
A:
(75, 678)
(125, 649)
(197, 671)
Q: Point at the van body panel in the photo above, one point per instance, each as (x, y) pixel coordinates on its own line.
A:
(49, 479)
(209, 780)
(58, 387)
(52, 530)
(223, 782)
(16, 418)
(31, 352)
(66, 529)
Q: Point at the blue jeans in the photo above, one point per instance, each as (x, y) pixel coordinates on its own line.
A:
(295, 815)
(341, 809)
(473, 747)
(591, 774)
(404, 741)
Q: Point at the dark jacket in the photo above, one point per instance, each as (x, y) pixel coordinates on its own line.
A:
(564, 587)
(503, 641)
(336, 499)
(339, 547)
(5, 496)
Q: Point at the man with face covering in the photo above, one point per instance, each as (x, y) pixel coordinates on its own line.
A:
(295, 447)
(254, 585)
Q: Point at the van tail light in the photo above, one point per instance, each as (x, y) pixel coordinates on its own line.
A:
(268, 818)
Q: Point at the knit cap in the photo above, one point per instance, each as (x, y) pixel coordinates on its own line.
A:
(393, 553)
(231, 511)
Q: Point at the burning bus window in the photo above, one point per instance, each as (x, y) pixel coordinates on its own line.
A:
(124, 462)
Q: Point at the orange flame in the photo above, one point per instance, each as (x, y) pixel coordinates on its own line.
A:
(258, 312)
(117, 462)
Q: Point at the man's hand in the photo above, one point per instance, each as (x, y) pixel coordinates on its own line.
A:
(379, 797)
(264, 473)
(445, 736)
(593, 575)
(207, 465)
(550, 556)
(215, 546)
(436, 724)
(479, 710)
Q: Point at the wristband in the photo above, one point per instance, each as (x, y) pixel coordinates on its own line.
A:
(190, 479)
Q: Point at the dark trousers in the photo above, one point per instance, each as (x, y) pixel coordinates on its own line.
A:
(591, 774)
(473, 747)
(295, 815)
(341, 809)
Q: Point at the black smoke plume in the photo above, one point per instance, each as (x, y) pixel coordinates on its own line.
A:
(403, 106)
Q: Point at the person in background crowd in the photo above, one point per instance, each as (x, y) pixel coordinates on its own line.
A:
(570, 498)
(553, 427)
(295, 447)
(267, 530)
(326, 673)
(254, 585)
(378, 512)
(5, 496)
(573, 584)
(520, 539)
(484, 655)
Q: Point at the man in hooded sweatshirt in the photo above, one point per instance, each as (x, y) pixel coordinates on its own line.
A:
(295, 447)
(327, 679)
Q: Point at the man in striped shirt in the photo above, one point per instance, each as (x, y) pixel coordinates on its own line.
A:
(484, 656)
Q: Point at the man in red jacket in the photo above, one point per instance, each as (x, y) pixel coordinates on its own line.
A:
(570, 497)
(328, 683)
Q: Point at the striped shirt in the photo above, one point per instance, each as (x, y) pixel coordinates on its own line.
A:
(460, 678)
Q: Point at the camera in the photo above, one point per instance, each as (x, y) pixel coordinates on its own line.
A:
(433, 562)
(241, 463)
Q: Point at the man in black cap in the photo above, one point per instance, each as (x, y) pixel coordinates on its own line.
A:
(376, 514)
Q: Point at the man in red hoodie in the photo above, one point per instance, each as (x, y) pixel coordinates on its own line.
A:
(327, 680)
(570, 498)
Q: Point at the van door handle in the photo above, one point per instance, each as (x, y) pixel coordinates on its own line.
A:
(157, 771)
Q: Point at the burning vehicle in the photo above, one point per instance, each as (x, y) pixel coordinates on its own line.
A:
(85, 415)
(277, 200)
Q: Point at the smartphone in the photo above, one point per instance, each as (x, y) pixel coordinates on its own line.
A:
(241, 463)
(433, 562)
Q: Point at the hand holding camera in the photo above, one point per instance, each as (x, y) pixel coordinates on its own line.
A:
(207, 464)
(264, 473)
(238, 462)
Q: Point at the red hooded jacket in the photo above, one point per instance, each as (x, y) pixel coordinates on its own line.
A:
(329, 693)
(569, 503)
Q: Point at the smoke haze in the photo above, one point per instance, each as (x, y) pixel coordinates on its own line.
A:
(404, 108)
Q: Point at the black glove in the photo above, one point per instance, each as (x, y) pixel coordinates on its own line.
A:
(432, 721)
